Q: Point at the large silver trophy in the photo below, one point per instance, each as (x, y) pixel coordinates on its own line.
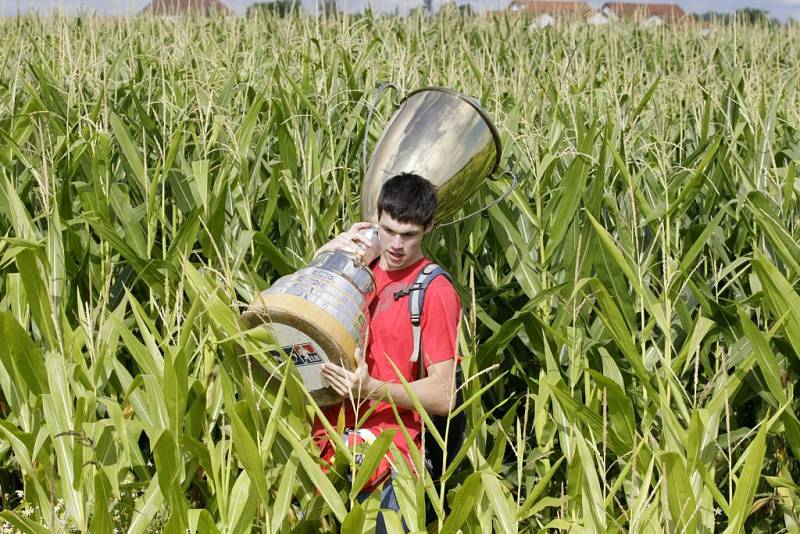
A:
(319, 313)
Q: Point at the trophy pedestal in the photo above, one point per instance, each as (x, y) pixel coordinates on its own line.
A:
(315, 315)
(309, 335)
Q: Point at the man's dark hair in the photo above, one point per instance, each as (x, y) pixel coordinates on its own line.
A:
(408, 198)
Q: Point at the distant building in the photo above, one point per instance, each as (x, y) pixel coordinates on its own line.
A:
(669, 13)
(171, 8)
(543, 21)
(597, 19)
(540, 8)
(282, 8)
(652, 22)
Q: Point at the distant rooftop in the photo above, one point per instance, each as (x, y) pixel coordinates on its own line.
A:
(668, 12)
(544, 7)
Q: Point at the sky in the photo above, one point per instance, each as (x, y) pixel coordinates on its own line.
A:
(780, 9)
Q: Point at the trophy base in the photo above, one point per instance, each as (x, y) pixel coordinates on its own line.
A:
(309, 335)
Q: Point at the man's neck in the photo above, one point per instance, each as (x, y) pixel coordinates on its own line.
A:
(386, 267)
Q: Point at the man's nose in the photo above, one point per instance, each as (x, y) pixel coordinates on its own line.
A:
(396, 241)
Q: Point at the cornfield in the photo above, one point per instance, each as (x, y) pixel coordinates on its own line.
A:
(631, 330)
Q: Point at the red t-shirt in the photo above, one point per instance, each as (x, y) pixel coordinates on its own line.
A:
(390, 337)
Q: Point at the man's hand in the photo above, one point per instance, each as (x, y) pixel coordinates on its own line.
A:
(356, 385)
(436, 392)
(353, 242)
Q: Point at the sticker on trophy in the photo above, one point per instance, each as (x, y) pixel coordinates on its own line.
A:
(306, 354)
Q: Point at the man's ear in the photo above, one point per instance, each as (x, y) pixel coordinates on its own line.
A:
(428, 228)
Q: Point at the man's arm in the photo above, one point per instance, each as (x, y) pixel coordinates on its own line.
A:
(435, 392)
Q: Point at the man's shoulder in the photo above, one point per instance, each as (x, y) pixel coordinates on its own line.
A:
(441, 287)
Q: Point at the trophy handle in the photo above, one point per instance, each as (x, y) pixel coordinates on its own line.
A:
(493, 203)
(378, 92)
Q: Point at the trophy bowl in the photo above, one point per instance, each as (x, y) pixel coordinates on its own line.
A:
(441, 135)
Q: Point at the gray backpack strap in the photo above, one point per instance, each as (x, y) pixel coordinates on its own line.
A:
(416, 298)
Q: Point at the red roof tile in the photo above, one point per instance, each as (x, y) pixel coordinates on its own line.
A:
(668, 12)
(551, 7)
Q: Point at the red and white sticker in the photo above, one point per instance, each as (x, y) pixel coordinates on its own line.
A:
(306, 354)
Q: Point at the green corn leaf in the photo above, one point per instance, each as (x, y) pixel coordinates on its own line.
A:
(167, 460)
(467, 496)
(21, 356)
(23, 523)
(58, 413)
(244, 443)
(14, 209)
(748, 481)
(244, 505)
(284, 495)
(500, 502)
(371, 459)
(277, 259)
(702, 326)
(515, 248)
(771, 372)
(643, 102)
(783, 297)
(681, 501)
(201, 521)
(573, 189)
(354, 522)
(37, 295)
(146, 507)
(593, 513)
(770, 221)
(469, 441)
(176, 389)
(533, 497)
(612, 318)
(22, 445)
(130, 151)
(101, 518)
(620, 409)
(314, 473)
(689, 259)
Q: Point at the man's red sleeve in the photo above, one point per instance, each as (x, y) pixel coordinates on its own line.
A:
(440, 314)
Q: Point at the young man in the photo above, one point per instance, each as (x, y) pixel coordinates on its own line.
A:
(406, 207)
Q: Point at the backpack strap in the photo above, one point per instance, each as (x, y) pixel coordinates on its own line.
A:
(416, 299)
(433, 453)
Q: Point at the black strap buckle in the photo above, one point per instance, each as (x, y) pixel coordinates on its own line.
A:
(416, 286)
(402, 293)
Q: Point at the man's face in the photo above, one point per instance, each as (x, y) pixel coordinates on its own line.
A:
(401, 243)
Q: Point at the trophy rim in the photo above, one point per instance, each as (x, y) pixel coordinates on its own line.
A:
(477, 107)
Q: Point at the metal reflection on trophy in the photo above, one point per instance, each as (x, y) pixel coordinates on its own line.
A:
(441, 135)
(319, 313)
